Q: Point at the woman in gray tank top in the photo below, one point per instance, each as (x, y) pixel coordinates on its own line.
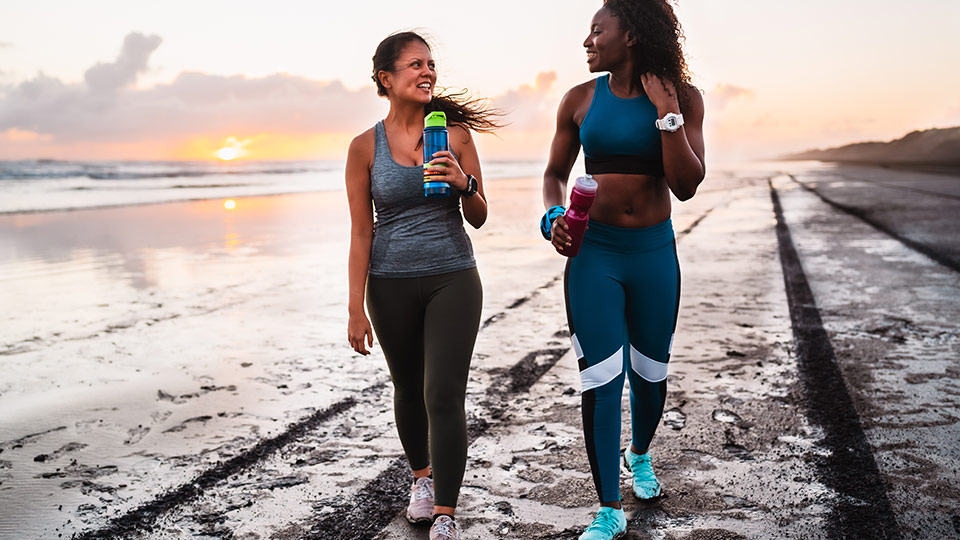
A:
(414, 266)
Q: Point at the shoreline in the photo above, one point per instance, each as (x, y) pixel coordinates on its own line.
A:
(4, 213)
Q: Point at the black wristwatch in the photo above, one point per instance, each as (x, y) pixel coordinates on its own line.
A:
(471, 186)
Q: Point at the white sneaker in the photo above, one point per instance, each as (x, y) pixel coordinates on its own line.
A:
(420, 509)
(445, 528)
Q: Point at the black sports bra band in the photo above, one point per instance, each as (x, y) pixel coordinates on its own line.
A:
(623, 165)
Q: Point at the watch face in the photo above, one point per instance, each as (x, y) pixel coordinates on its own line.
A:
(671, 122)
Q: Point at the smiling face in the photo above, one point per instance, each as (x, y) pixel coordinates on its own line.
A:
(414, 74)
(607, 44)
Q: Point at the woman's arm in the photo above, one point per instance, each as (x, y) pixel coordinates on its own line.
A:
(563, 154)
(683, 163)
(475, 206)
(359, 332)
(563, 151)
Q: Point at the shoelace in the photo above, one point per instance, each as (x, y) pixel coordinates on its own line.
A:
(447, 527)
(424, 490)
(605, 522)
(641, 469)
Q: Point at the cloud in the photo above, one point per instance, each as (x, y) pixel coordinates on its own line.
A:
(131, 62)
(106, 106)
(19, 135)
(107, 114)
(722, 94)
(530, 108)
(531, 112)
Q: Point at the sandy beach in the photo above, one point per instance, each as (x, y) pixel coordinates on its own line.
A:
(181, 370)
(149, 342)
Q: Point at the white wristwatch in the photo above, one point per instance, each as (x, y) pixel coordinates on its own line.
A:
(670, 122)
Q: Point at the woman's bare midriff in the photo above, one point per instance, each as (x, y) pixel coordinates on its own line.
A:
(630, 200)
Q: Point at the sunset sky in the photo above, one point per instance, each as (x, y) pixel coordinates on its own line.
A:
(291, 80)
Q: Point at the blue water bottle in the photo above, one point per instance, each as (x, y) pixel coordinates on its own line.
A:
(434, 140)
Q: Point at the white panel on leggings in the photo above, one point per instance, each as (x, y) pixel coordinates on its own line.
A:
(576, 346)
(602, 373)
(670, 347)
(647, 367)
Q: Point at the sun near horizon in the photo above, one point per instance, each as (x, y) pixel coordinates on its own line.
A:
(227, 154)
(263, 146)
(232, 149)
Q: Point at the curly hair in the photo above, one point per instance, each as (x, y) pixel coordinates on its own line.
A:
(658, 49)
(458, 106)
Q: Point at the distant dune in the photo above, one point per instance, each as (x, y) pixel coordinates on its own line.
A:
(932, 147)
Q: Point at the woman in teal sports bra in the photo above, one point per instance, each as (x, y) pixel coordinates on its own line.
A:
(640, 127)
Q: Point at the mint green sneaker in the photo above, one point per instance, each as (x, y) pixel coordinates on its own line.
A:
(645, 483)
(610, 523)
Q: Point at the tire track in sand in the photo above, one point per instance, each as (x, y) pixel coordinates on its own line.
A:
(863, 509)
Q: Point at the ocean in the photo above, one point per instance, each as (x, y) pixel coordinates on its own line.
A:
(47, 185)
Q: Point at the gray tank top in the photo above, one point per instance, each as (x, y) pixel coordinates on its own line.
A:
(413, 235)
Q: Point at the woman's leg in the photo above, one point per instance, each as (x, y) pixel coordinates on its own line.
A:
(653, 298)
(595, 312)
(451, 322)
(396, 313)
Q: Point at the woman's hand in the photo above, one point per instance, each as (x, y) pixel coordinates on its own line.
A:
(358, 332)
(661, 92)
(559, 237)
(451, 174)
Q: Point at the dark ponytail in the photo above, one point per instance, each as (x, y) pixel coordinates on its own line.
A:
(460, 108)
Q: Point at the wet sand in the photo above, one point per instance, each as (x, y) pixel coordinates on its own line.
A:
(181, 370)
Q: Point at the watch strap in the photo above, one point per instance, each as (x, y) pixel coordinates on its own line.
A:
(670, 122)
(472, 186)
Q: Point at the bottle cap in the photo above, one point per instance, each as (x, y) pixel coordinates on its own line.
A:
(435, 119)
(586, 184)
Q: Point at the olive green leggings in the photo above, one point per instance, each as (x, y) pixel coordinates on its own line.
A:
(427, 327)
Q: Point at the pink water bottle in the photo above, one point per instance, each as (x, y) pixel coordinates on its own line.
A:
(577, 215)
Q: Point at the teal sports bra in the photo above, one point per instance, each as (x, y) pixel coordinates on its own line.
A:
(620, 135)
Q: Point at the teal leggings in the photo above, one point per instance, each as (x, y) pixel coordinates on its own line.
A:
(622, 294)
(427, 327)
